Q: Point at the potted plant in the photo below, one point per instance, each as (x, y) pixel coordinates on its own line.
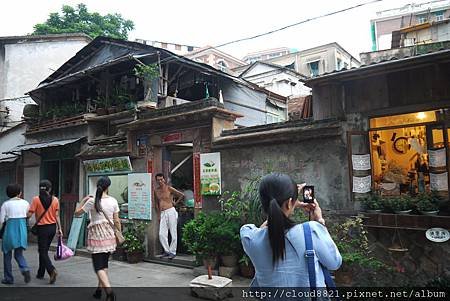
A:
(147, 73)
(426, 205)
(372, 203)
(229, 242)
(398, 204)
(246, 267)
(402, 204)
(200, 237)
(101, 105)
(134, 241)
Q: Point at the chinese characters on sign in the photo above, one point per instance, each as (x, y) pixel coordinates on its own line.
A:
(437, 234)
(108, 165)
(139, 196)
(361, 162)
(210, 177)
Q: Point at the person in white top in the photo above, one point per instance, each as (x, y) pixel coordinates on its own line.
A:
(14, 214)
(101, 238)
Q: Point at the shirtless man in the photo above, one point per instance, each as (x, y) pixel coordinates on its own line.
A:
(167, 215)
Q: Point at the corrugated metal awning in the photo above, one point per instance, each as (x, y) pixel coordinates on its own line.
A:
(25, 147)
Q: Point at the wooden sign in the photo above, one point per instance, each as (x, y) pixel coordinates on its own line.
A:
(108, 165)
(75, 231)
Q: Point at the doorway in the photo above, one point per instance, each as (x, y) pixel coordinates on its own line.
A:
(181, 178)
(63, 174)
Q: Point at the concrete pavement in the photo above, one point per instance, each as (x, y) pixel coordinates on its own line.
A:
(78, 272)
(76, 281)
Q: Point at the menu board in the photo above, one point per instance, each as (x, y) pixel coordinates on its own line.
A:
(140, 196)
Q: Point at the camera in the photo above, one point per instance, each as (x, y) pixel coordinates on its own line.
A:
(308, 194)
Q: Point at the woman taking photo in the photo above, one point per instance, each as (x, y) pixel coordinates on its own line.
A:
(14, 212)
(101, 239)
(45, 208)
(277, 247)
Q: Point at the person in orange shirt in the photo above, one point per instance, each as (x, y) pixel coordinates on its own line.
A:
(45, 207)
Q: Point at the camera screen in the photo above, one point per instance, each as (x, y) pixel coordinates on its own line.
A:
(308, 194)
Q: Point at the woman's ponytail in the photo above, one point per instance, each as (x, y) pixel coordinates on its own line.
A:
(276, 229)
(102, 185)
(274, 190)
(45, 186)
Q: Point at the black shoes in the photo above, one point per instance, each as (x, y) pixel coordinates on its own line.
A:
(110, 297)
(97, 294)
(4, 281)
(26, 276)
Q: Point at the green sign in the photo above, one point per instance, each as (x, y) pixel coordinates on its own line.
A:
(108, 165)
(210, 175)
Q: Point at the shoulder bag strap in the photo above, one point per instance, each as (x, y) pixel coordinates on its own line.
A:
(42, 215)
(109, 221)
(310, 254)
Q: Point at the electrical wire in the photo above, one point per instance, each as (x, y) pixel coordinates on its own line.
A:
(282, 28)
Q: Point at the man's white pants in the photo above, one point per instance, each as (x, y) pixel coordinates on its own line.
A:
(168, 223)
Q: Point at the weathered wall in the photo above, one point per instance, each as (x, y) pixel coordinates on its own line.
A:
(423, 261)
(322, 163)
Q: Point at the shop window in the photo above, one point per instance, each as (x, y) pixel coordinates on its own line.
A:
(401, 147)
(404, 119)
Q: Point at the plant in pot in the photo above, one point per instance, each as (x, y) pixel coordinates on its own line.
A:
(229, 241)
(101, 105)
(401, 204)
(246, 267)
(372, 203)
(134, 241)
(426, 205)
(199, 236)
(147, 73)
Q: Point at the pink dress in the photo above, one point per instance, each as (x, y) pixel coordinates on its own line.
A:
(101, 238)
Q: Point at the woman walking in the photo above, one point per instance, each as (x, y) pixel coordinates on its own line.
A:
(45, 208)
(277, 248)
(14, 212)
(101, 242)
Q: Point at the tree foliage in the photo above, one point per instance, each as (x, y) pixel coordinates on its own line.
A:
(76, 20)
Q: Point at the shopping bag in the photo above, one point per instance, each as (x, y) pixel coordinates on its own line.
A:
(62, 251)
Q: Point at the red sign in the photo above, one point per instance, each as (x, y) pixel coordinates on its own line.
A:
(149, 166)
(197, 195)
(171, 138)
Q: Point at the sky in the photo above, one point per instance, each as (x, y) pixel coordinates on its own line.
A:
(214, 22)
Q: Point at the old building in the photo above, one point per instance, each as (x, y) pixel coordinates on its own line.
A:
(215, 58)
(97, 115)
(278, 79)
(24, 62)
(265, 54)
(316, 60)
(418, 22)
